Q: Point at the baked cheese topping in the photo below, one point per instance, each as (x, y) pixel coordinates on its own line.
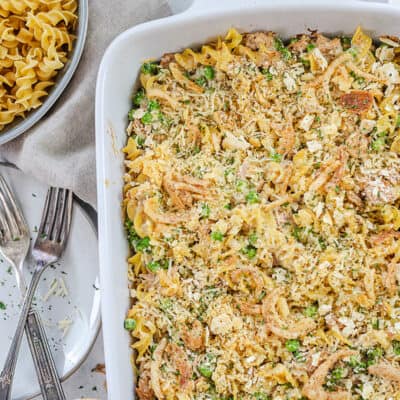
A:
(261, 196)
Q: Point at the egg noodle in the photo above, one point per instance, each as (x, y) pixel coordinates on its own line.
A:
(35, 39)
(261, 196)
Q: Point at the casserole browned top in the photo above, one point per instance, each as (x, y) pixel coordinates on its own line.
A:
(261, 198)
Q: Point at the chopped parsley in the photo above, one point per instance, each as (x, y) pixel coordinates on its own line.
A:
(276, 157)
(261, 396)
(379, 143)
(202, 81)
(396, 347)
(286, 54)
(205, 210)
(266, 72)
(310, 47)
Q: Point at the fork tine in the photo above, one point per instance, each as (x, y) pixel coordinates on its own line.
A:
(59, 214)
(17, 212)
(49, 213)
(64, 231)
(8, 214)
(4, 228)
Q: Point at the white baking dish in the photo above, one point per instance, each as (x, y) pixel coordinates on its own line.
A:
(117, 78)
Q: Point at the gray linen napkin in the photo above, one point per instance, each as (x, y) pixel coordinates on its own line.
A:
(60, 149)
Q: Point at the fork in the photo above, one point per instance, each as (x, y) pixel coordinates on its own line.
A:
(14, 251)
(49, 245)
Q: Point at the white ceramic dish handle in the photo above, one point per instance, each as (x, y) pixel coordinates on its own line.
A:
(194, 6)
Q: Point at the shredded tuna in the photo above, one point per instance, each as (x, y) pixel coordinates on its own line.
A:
(194, 336)
(254, 40)
(167, 59)
(144, 390)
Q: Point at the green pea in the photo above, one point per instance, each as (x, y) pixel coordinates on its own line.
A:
(250, 251)
(205, 370)
(217, 236)
(147, 118)
(153, 105)
(276, 157)
(201, 81)
(138, 97)
(209, 72)
(130, 324)
(378, 144)
(253, 238)
(143, 244)
(252, 197)
(130, 115)
(311, 311)
(153, 266)
(292, 345)
(310, 47)
(151, 68)
(140, 140)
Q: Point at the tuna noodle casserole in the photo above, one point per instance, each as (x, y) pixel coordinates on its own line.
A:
(262, 199)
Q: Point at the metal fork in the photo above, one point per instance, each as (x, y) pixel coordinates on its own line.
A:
(14, 251)
(49, 245)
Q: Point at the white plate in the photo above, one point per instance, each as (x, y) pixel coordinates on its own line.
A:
(79, 271)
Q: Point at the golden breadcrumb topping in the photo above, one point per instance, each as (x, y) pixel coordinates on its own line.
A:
(262, 194)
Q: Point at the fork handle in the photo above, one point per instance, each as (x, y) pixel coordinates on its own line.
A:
(46, 371)
(7, 375)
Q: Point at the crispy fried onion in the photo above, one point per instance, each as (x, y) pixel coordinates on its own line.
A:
(183, 80)
(274, 324)
(385, 370)
(246, 277)
(287, 139)
(183, 190)
(152, 210)
(155, 368)
(324, 175)
(314, 390)
(383, 236)
(144, 390)
(390, 280)
(179, 359)
(193, 337)
(324, 78)
(247, 308)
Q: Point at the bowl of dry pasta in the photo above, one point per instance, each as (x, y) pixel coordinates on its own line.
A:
(41, 43)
